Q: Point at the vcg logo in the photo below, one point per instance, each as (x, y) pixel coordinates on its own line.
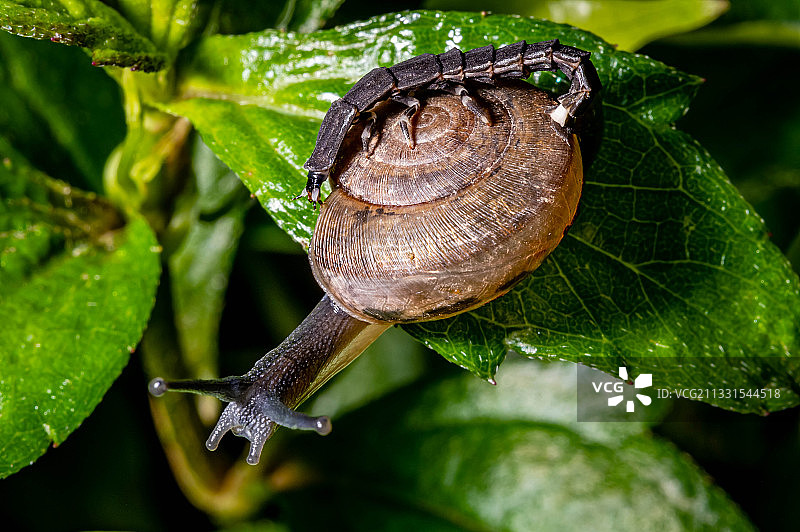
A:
(645, 380)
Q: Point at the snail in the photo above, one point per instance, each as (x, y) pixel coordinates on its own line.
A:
(412, 234)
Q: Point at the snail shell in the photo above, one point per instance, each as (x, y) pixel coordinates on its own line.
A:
(424, 233)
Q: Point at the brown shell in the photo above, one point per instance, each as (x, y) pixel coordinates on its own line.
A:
(424, 233)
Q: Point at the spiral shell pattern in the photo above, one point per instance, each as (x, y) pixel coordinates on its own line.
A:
(424, 233)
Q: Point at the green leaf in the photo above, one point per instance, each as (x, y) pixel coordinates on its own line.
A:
(766, 168)
(459, 454)
(76, 289)
(628, 24)
(274, 180)
(307, 15)
(243, 16)
(169, 24)
(205, 231)
(665, 259)
(52, 97)
(86, 23)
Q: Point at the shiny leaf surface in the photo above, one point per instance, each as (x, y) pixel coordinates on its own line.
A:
(459, 454)
(76, 287)
(87, 23)
(629, 25)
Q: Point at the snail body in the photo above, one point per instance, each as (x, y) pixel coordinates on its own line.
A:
(413, 234)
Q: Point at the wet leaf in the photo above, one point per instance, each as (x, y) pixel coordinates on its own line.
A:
(87, 23)
(629, 25)
(76, 287)
(459, 454)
